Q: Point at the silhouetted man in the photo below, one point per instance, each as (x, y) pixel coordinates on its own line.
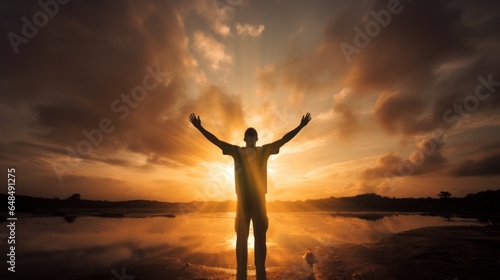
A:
(250, 172)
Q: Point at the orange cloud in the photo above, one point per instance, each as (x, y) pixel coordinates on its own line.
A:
(249, 30)
(212, 50)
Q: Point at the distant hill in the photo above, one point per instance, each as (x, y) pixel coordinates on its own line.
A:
(30, 204)
(485, 201)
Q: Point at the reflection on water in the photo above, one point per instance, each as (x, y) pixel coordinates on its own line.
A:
(201, 238)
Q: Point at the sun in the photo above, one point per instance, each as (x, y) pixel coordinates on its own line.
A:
(229, 171)
(251, 241)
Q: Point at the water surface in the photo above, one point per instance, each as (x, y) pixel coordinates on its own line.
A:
(200, 238)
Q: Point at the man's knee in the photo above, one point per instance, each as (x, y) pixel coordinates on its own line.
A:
(261, 224)
(241, 226)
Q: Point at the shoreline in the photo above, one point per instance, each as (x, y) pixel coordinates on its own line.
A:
(449, 252)
(446, 252)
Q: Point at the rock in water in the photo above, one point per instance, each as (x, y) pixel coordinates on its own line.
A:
(309, 257)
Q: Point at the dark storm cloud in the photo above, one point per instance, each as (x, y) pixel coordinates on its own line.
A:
(430, 58)
(415, 40)
(426, 57)
(425, 159)
(22, 154)
(433, 66)
(486, 166)
(398, 112)
(485, 159)
(421, 35)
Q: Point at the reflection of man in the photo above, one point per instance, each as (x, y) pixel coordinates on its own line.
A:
(250, 171)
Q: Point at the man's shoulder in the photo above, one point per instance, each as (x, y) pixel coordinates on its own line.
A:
(230, 149)
(272, 148)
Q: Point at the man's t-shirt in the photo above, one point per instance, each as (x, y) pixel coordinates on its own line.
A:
(250, 167)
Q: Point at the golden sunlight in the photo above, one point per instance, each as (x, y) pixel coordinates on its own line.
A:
(251, 241)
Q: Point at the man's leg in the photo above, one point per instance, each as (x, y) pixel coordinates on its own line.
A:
(241, 226)
(260, 225)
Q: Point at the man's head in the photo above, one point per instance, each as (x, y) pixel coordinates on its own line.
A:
(251, 137)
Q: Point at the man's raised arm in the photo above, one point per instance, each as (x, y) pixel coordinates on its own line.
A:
(212, 138)
(305, 120)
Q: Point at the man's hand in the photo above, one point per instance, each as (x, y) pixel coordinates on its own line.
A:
(195, 120)
(305, 120)
(212, 138)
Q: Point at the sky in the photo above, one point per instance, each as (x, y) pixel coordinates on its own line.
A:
(95, 96)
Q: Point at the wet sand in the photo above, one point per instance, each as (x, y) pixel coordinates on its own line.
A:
(455, 252)
(425, 253)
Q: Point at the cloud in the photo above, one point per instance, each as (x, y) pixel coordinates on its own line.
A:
(386, 165)
(92, 56)
(348, 124)
(307, 73)
(220, 111)
(393, 169)
(400, 112)
(212, 50)
(418, 67)
(296, 33)
(486, 166)
(404, 51)
(249, 30)
(217, 14)
(413, 71)
(425, 159)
